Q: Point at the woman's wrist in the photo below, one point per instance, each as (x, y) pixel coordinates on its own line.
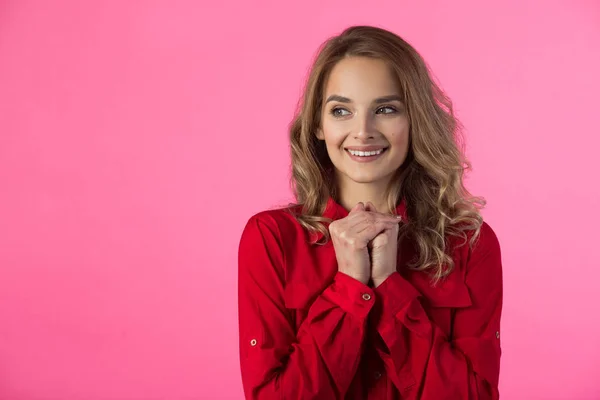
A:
(379, 280)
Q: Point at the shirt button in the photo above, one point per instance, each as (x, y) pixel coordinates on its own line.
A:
(497, 335)
(366, 296)
(253, 342)
(377, 374)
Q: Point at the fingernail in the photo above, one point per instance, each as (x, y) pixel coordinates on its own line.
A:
(399, 216)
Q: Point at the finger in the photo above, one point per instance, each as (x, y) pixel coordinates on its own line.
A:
(385, 216)
(392, 217)
(365, 229)
(370, 207)
(356, 227)
(355, 220)
(354, 216)
(359, 221)
(358, 207)
(368, 231)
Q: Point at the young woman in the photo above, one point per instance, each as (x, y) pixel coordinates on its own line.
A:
(383, 282)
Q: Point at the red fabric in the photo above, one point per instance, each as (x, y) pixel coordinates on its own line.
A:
(308, 331)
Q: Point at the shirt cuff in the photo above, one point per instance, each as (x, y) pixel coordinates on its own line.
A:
(394, 294)
(351, 295)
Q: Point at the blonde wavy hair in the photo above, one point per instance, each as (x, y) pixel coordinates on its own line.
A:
(430, 179)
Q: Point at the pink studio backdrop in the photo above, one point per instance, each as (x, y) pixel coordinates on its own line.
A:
(137, 137)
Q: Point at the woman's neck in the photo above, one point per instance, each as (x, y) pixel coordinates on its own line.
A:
(351, 193)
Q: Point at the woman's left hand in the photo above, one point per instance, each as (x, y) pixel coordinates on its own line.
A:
(383, 250)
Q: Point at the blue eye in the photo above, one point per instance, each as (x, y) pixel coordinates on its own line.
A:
(339, 112)
(388, 110)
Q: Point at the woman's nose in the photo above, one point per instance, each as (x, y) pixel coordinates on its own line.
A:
(365, 127)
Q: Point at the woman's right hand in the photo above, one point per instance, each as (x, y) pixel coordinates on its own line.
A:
(351, 236)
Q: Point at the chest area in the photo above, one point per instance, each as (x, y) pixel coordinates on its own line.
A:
(310, 269)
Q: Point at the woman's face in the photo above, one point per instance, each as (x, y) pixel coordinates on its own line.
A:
(364, 123)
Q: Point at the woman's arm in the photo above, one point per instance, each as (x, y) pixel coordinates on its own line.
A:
(317, 362)
(420, 359)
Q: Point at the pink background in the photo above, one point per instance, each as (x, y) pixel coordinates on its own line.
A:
(137, 137)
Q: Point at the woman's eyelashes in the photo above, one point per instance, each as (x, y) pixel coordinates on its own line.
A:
(388, 110)
(340, 112)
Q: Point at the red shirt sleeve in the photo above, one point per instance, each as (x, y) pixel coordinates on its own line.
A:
(320, 358)
(420, 359)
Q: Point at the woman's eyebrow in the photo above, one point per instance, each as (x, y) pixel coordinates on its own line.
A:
(388, 99)
(341, 99)
(379, 100)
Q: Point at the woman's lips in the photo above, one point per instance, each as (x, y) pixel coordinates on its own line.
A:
(365, 159)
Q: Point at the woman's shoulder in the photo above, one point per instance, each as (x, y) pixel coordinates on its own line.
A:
(483, 237)
(468, 244)
(487, 240)
(278, 214)
(280, 221)
(478, 246)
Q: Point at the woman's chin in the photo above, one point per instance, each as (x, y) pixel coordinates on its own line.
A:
(366, 178)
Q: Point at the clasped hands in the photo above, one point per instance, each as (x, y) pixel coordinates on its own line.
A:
(366, 244)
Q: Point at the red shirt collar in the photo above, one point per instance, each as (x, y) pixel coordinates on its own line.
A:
(335, 211)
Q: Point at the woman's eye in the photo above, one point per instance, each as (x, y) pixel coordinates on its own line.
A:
(385, 110)
(339, 112)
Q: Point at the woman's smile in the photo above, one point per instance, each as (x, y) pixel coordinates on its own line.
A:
(364, 156)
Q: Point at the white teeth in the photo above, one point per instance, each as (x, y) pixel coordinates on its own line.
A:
(365, 153)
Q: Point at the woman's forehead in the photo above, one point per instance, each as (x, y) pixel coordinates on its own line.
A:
(361, 79)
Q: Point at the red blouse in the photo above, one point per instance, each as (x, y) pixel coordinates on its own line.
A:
(308, 331)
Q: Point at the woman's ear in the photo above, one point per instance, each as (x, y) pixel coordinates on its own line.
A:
(320, 135)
